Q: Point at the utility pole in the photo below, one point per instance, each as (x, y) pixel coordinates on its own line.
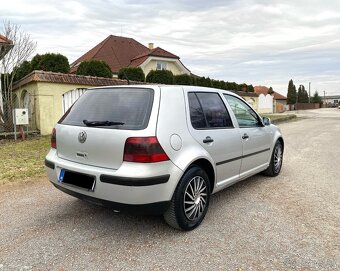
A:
(309, 93)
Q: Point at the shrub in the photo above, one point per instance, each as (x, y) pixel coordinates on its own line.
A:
(134, 74)
(183, 79)
(50, 62)
(24, 69)
(160, 76)
(95, 68)
(250, 88)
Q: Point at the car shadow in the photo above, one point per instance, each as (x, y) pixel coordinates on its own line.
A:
(97, 220)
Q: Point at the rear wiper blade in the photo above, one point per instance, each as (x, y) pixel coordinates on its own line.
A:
(102, 123)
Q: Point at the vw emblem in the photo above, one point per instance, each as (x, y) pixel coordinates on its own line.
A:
(82, 137)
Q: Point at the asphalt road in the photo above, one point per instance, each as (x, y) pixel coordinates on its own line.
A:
(291, 222)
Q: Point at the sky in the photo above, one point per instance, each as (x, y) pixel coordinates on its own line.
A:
(259, 42)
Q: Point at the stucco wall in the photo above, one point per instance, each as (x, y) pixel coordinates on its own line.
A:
(152, 65)
(46, 103)
(253, 101)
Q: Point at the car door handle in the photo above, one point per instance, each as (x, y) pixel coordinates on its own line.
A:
(245, 136)
(208, 139)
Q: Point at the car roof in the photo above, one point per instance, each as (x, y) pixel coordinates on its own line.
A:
(185, 87)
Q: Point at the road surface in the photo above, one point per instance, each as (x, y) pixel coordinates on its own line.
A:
(291, 222)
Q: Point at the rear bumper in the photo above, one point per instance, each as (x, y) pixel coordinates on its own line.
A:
(156, 208)
(134, 186)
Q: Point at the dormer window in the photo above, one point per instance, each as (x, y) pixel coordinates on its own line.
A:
(161, 65)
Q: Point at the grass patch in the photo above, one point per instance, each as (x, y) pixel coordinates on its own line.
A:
(23, 159)
(276, 118)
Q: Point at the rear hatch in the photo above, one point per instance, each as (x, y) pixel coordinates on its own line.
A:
(94, 130)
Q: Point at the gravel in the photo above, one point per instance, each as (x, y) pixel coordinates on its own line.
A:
(290, 222)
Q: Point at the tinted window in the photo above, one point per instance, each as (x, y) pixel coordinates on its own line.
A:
(246, 117)
(129, 106)
(196, 113)
(207, 110)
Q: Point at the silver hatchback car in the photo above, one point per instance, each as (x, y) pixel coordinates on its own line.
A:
(160, 149)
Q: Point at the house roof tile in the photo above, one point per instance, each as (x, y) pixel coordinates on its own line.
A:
(3, 39)
(116, 51)
(62, 78)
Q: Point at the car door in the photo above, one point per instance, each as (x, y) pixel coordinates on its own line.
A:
(256, 137)
(212, 127)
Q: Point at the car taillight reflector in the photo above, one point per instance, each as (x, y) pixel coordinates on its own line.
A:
(54, 139)
(144, 150)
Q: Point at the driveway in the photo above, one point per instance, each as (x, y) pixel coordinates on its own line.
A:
(291, 222)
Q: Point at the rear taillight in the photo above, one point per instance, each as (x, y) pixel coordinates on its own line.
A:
(54, 139)
(144, 150)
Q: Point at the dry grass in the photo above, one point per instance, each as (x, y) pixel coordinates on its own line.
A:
(23, 159)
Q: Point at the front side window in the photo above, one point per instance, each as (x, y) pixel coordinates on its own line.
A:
(207, 111)
(161, 65)
(245, 116)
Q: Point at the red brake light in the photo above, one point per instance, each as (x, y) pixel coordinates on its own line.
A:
(54, 139)
(144, 150)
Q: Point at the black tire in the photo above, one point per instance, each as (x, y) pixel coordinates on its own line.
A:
(275, 161)
(189, 197)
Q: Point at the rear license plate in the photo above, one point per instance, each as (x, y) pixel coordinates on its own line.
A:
(77, 179)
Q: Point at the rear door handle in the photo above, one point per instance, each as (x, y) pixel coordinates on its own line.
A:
(208, 139)
(245, 136)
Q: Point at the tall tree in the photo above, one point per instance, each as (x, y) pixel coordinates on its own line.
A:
(316, 98)
(21, 51)
(291, 94)
(270, 91)
(302, 94)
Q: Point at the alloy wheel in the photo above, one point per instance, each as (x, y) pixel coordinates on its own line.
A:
(195, 198)
(278, 158)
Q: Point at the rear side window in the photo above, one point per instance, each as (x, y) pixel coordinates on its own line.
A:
(117, 108)
(207, 111)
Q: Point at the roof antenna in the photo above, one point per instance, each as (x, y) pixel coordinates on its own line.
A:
(113, 51)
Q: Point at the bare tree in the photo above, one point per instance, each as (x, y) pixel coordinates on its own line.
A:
(21, 51)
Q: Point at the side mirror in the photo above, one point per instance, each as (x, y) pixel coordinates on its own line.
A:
(266, 121)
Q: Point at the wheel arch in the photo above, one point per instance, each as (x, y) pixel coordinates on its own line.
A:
(280, 139)
(208, 168)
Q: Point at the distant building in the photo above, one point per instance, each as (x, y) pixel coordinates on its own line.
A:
(279, 101)
(121, 52)
(47, 95)
(5, 46)
(331, 100)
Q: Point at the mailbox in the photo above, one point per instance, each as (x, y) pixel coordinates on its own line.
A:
(20, 116)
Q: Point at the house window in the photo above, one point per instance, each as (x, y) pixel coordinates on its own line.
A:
(161, 65)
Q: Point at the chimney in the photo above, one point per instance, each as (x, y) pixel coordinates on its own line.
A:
(150, 45)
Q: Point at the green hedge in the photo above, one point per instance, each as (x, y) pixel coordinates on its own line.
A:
(183, 79)
(160, 76)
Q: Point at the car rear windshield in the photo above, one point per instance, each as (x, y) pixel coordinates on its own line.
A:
(112, 108)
